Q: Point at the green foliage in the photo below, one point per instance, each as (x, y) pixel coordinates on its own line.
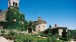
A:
(30, 24)
(53, 39)
(26, 24)
(69, 36)
(2, 32)
(15, 19)
(11, 33)
(49, 26)
(0, 10)
(29, 38)
(73, 34)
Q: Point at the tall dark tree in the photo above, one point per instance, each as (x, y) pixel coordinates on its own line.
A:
(49, 26)
(0, 10)
(30, 26)
(26, 24)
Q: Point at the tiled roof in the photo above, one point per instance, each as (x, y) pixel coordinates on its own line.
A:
(58, 28)
(39, 22)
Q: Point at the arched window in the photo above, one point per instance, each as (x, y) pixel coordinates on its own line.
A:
(15, 4)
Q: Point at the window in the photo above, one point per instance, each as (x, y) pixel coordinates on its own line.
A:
(15, 4)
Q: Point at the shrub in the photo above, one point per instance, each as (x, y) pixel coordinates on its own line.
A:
(2, 32)
(53, 39)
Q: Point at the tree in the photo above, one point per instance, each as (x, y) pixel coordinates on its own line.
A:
(26, 24)
(15, 19)
(73, 34)
(53, 38)
(49, 26)
(11, 33)
(0, 10)
(69, 35)
(2, 32)
(30, 26)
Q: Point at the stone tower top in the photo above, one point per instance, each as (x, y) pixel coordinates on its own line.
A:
(13, 3)
(39, 18)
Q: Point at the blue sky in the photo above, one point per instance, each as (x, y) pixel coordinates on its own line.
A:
(60, 12)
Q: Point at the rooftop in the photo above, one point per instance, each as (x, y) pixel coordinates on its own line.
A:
(39, 21)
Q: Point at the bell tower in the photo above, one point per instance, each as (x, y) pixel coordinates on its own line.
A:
(13, 3)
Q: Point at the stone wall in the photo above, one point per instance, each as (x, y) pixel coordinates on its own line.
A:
(40, 27)
(60, 31)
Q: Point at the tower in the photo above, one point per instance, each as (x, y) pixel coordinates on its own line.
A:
(13, 3)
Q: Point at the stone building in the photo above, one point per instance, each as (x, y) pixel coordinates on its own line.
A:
(40, 25)
(61, 31)
(3, 21)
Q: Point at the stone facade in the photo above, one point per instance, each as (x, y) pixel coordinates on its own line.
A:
(40, 27)
(3, 16)
(14, 3)
(60, 31)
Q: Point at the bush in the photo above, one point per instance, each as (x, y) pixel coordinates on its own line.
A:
(11, 33)
(53, 39)
(2, 32)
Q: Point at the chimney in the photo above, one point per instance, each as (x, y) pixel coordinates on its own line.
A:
(55, 25)
(39, 18)
(49, 26)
